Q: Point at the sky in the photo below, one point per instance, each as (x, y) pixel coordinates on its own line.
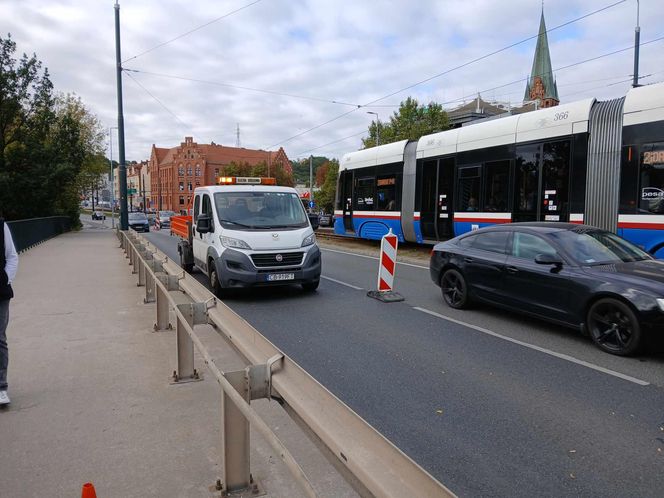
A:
(292, 73)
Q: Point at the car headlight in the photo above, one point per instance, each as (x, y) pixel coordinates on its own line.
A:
(233, 243)
(661, 303)
(309, 240)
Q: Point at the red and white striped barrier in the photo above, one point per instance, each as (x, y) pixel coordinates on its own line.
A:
(388, 262)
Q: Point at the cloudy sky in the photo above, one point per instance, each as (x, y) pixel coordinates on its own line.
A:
(291, 73)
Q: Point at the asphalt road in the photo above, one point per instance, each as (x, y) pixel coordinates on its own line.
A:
(498, 405)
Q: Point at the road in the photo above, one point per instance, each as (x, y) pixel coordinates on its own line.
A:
(490, 404)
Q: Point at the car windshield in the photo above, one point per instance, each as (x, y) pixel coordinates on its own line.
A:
(166, 214)
(597, 247)
(260, 210)
(137, 216)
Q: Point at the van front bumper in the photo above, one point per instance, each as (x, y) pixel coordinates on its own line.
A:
(236, 269)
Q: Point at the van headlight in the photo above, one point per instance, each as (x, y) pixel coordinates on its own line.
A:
(660, 301)
(311, 239)
(233, 243)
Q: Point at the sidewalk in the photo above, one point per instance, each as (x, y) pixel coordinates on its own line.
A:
(91, 399)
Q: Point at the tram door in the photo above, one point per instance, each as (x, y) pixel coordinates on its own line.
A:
(436, 216)
(347, 200)
(542, 182)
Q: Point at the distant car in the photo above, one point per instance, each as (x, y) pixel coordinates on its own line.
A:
(98, 215)
(152, 217)
(573, 275)
(139, 222)
(326, 220)
(163, 219)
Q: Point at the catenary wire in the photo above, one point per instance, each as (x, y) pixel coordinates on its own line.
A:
(158, 101)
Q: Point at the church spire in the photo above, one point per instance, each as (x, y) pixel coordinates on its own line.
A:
(541, 85)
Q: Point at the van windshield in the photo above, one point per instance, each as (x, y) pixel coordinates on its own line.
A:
(260, 210)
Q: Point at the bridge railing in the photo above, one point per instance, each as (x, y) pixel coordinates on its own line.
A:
(28, 233)
(368, 461)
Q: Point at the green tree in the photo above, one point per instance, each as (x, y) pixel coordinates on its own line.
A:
(410, 122)
(325, 197)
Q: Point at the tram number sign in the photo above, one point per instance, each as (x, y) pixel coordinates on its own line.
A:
(653, 157)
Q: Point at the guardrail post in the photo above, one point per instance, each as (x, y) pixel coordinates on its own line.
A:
(235, 437)
(163, 322)
(195, 314)
(142, 270)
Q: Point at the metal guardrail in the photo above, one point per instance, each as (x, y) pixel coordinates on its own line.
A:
(29, 233)
(370, 463)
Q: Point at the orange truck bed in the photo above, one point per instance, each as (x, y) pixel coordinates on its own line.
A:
(181, 226)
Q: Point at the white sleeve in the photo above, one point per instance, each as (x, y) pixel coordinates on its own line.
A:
(11, 258)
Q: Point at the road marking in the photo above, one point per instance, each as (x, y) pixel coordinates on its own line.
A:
(371, 257)
(341, 283)
(537, 348)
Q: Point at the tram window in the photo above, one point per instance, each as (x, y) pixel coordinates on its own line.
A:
(386, 193)
(555, 175)
(496, 186)
(651, 195)
(469, 189)
(364, 194)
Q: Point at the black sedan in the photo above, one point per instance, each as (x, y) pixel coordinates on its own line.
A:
(139, 222)
(574, 275)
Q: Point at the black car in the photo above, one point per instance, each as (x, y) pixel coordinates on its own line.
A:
(574, 275)
(139, 222)
(326, 220)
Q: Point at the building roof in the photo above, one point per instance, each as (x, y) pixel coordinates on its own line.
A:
(542, 66)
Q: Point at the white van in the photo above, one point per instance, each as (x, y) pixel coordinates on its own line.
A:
(251, 235)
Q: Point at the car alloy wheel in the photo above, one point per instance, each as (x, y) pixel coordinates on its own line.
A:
(454, 289)
(614, 327)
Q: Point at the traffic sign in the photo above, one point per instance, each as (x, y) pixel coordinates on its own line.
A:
(131, 191)
(311, 204)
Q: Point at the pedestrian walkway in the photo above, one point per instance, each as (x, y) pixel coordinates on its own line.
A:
(91, 398)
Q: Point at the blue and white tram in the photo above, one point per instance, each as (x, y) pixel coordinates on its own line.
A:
(599, 163)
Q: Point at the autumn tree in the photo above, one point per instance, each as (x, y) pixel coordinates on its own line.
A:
(325, 197)
(410, 122)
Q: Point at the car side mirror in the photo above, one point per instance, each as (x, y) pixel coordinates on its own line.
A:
(204, 224)
(548, 259)
(314, 220)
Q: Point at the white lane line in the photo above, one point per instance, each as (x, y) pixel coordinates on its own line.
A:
(537, 348)
(341, 283)
(371, 257)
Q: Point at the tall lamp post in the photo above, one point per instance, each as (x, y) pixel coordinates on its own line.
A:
(377, 126)
(637, 37)
(110, 134)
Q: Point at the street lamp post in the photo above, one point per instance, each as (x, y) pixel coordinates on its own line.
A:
(637, 37)
(377, 126)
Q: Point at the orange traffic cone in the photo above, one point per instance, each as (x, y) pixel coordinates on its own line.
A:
(88, 491)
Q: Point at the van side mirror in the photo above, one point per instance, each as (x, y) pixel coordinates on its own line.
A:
(314, 220)
(549, 259)
(204, 224)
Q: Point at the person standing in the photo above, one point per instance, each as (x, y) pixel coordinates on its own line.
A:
(8, 267)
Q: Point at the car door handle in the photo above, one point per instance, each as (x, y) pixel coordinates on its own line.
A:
(512, 269)
(468, 260)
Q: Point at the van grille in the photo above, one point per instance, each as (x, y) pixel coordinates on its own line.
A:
(270, 259)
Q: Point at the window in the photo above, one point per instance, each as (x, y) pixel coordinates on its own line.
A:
(496, 187)
(491, 241)
(197, 207)
(469, 188)
(180, 170)
(386, 193)
(467, 241)
(207, 206)
(181, 200)
(651, 194)
(198, 170)
(188, 170)
(364, 194)
(181, 186)
(189, 188)
(528, 246)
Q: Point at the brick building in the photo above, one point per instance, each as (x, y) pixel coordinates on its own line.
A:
(176, 172)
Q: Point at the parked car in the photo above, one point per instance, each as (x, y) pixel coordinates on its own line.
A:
(98, 215)
(152, 217)
(139, 221)
(163, 219)
(574, 275)
(326, 220)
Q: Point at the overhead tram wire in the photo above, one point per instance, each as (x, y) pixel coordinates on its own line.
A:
(363, 132)
(192, 31)
(239, 87)
(158, 101)
(449, 71)
(521, 80)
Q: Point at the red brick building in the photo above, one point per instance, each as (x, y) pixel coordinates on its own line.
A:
(176, 172)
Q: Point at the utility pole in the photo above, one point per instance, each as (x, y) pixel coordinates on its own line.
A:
(237, 140)
(122, 168)
(110, 134)
(377, 127)
(145, 206)
(637, 39)
(311, 180)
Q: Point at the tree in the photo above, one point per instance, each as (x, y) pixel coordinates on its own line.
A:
(410, 122)
(325, 197)
(277, 171)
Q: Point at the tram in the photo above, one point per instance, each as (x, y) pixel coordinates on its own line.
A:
(595, 162)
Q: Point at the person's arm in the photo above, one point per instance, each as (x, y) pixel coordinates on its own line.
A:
(11, 258)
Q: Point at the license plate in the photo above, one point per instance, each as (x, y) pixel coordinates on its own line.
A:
(275, 277)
